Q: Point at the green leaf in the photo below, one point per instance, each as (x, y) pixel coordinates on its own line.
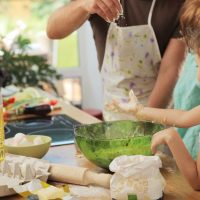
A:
(132, 197)
(26, 70)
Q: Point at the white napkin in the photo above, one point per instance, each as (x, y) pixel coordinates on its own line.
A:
(89, 193)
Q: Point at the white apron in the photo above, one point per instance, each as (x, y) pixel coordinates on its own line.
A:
(131, 61)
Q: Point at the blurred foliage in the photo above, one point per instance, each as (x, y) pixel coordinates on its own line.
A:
(43, 9)
(22, 43)
(24, 70)
(37, 9)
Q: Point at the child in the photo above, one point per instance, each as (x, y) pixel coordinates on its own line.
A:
(186, 96)
(190, 23)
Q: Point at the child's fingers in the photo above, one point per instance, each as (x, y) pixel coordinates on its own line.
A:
(112, 106)
(153, 147)
(132, 97)
(155, 142)
(125, 107)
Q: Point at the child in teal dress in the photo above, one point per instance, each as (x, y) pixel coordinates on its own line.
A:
(186, 97)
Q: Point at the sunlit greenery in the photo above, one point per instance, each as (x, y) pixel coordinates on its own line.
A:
(24, 70)
(42, 9)
(37, 13)
(34, 14)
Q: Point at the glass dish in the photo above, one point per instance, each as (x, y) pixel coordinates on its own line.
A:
(102, 142)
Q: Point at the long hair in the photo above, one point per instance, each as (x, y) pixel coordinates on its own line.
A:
(190, 24)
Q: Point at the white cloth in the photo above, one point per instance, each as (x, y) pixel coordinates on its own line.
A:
(15, 170)
(131, 61)
(139, 175)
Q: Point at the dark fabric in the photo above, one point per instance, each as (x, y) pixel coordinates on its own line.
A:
(165, 21)
(4, 78)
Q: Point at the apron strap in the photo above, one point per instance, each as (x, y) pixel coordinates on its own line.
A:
(151, 12)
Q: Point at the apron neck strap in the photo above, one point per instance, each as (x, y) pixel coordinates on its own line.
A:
(151, 12)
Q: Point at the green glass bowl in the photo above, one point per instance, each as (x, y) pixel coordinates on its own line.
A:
(102, 142)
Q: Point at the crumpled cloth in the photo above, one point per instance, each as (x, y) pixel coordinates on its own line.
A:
(139, 175)
(16, 170)
(89, 193)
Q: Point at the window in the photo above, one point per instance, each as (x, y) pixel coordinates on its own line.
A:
(67, 52)
(74, 56)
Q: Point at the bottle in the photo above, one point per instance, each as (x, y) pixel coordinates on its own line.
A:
(2, 148)
(41, 110)
(38, 110)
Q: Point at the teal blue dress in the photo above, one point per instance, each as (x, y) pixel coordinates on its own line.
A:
(187, 96)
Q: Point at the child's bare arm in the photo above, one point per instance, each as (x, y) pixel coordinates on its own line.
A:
(187, 166)
(178, 118)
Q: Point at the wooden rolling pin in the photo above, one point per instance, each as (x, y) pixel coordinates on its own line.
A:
(58, 172)
(78, 176)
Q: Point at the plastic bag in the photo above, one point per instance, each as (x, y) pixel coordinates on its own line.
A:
(138, 175)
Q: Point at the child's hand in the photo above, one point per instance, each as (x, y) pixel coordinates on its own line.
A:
(126, 107)
(161, 137)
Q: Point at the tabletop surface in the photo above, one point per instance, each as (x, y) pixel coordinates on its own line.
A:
(176, 186)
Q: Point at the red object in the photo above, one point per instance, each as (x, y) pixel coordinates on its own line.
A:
(53, 102)
(8, 101)
(5, 115)
(94, 112)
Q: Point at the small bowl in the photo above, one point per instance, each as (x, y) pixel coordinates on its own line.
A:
(36, 151)
(102, 142)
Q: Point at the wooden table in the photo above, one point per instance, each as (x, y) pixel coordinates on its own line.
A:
(176, 188)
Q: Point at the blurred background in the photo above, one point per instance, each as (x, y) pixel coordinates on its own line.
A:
(23, 32)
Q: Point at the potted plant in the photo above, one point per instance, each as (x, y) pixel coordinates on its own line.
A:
(22, 69)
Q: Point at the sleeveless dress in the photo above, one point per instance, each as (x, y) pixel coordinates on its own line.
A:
(187, 96)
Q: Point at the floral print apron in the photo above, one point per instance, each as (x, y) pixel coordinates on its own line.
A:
(131, 61)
